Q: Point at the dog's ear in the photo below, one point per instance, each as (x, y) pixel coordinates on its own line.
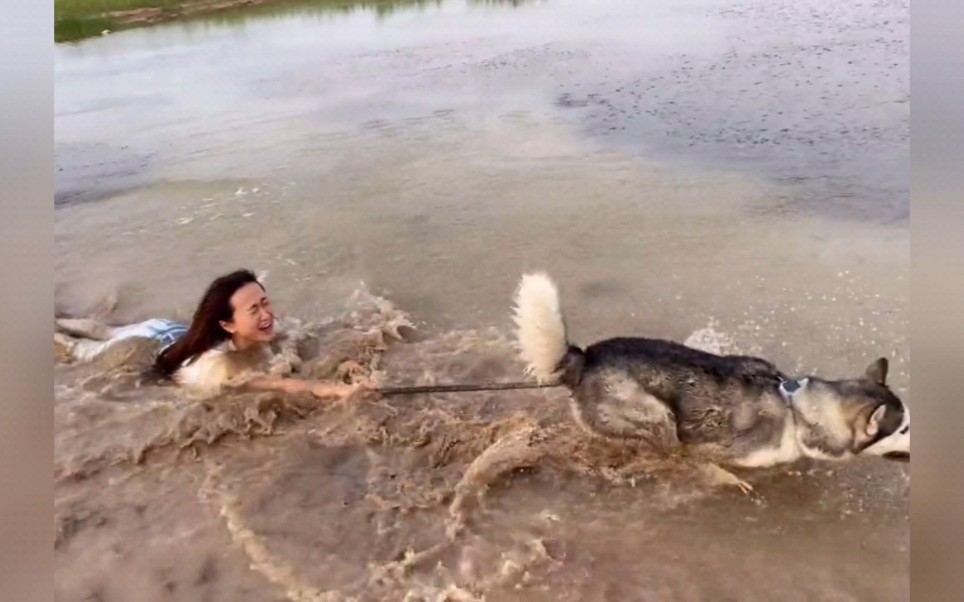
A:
(877, 371)
(873, 425)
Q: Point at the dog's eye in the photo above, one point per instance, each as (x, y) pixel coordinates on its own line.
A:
(905, 430)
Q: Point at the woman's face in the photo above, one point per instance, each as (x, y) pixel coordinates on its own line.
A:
(253, 319)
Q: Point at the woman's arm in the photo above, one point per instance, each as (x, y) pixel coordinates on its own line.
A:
(296, 385)
(278, 383)
(212, 371)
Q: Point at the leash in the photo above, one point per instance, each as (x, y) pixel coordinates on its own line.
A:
(386, 391)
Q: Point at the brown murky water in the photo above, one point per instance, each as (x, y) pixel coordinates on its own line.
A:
(410, 168)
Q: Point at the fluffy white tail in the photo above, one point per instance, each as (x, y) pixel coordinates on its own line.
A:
(541, 326)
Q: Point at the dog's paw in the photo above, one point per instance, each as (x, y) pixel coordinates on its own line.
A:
(720, 477)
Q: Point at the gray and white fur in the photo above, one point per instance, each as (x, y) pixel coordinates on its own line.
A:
(735, 410)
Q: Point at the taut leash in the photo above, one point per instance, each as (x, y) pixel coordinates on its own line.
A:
(385, 391)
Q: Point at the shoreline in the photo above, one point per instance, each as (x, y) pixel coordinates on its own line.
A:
(80, 25)
(75, 23)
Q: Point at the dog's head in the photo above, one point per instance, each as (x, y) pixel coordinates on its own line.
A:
(845, 418)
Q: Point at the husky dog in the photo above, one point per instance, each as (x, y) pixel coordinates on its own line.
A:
(739, 411)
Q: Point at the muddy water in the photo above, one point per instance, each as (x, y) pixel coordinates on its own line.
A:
(407, 169)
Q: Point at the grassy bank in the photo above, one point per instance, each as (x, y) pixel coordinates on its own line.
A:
(78, 19)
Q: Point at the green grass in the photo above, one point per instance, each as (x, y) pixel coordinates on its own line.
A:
(78, 8)
(70, 29)
(76, 20)
(79, 19)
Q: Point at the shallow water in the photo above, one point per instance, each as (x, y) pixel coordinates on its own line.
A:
(429, 157)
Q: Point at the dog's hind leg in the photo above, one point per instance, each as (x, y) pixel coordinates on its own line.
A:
(613, 406)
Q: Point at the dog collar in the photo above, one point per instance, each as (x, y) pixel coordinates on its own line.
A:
(788, 388)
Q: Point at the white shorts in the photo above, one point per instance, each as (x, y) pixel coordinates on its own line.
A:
(167, 332)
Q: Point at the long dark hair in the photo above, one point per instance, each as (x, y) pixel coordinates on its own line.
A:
(205, 331)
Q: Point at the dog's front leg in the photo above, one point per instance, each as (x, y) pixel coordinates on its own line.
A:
(720, 477)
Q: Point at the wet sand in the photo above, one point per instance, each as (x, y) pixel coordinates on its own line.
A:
(413, 168)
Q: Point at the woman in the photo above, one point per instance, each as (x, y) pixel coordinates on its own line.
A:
(227, 342)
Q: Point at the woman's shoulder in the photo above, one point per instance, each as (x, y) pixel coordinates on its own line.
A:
(219, 365)
(208, 370)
